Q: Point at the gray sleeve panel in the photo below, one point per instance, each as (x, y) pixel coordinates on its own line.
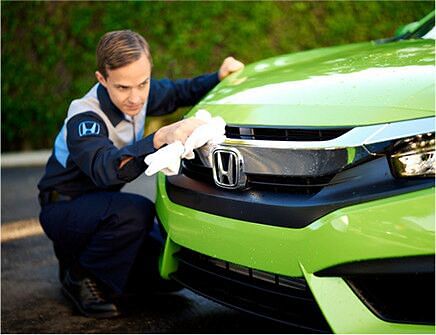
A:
(61, 151)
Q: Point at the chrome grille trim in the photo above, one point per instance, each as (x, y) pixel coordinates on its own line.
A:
(316, 158)
(356, 137)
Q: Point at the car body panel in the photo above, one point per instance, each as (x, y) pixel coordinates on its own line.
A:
(379, 83)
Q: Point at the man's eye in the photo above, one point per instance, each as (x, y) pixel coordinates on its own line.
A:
(122, 88)
(142, 85)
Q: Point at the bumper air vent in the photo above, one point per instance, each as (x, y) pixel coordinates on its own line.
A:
(284, 299)
(403, 298)
(398, 290)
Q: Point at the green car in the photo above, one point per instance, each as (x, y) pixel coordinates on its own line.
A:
(318, 209)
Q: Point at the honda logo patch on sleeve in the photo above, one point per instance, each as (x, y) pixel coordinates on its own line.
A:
(87, 128)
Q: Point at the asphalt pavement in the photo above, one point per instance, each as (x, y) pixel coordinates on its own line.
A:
(31, 300)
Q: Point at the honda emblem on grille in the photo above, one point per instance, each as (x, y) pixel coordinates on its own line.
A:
(228, 168)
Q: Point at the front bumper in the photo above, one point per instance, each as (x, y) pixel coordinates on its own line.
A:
(397, 226)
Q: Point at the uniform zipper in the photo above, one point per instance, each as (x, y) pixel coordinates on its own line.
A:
(133, 124)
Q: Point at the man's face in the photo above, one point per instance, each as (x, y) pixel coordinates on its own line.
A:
(128, 86)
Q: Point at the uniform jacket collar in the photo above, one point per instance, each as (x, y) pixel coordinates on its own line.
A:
(108, 107)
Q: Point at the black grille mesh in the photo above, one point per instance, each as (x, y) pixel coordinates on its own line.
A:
(284, 134)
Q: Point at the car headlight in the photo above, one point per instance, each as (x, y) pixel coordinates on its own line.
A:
(414, 156)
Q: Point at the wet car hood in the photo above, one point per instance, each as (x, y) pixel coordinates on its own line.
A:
(358, 84)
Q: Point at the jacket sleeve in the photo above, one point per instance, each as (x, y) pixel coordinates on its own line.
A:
(166, 95)
(95, 154)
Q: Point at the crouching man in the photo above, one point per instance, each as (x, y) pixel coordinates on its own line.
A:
(100, 235)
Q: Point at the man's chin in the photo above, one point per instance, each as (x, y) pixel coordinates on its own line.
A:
(131, 111)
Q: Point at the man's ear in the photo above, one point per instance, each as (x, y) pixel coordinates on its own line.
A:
(100, 78)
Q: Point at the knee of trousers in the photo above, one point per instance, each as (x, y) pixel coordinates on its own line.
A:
(137, 212)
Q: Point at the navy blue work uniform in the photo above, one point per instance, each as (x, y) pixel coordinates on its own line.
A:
(83, 211)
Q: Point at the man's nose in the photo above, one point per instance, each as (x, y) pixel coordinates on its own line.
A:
(134, 97)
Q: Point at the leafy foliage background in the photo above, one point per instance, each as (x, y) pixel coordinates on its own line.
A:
(48, 48)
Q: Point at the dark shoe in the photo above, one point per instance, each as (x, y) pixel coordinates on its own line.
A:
(88, 297)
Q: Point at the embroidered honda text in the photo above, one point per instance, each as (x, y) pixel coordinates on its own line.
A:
(87, 128)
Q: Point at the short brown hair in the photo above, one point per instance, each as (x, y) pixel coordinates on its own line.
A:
(119, 48)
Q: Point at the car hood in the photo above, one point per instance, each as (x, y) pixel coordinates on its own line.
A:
(358, 84)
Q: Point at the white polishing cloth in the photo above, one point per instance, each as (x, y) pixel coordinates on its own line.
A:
(168, 158)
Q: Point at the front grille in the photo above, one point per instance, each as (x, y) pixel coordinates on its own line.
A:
(284, 134)
(284, 299)
(403, 298)
(275, 170)
(295, 185)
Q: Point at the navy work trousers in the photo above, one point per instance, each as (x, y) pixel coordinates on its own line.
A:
(106, 233)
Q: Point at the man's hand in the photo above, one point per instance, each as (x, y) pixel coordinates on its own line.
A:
(229, 66)
(178, 131)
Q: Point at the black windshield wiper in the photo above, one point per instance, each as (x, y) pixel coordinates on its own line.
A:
(424, 26)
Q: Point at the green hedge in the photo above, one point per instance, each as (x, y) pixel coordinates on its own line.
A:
(48, 47)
